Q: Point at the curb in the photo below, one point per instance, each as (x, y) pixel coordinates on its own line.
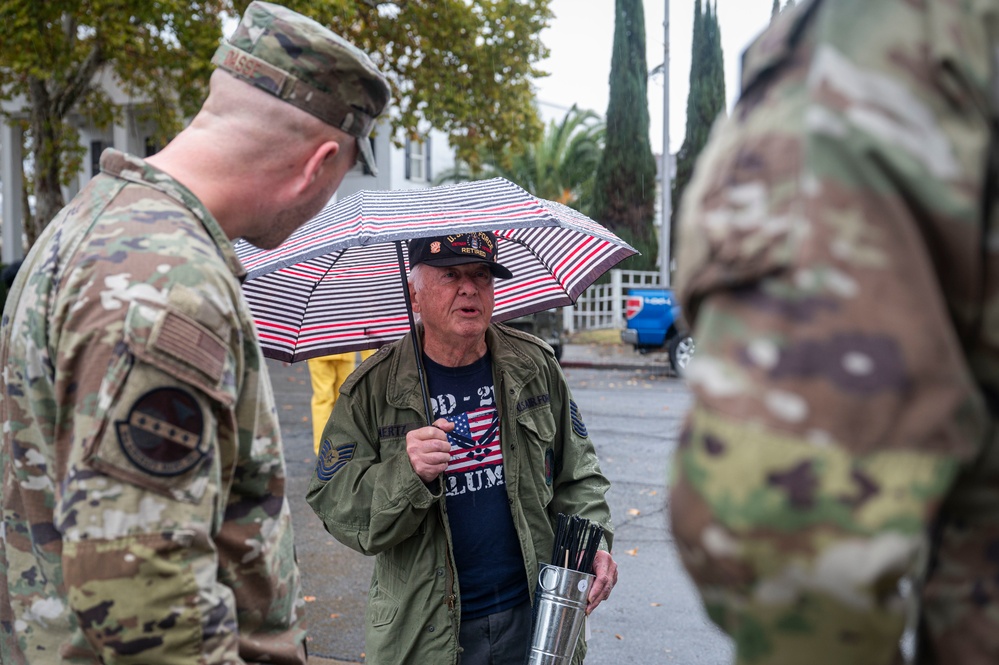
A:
(585, 364)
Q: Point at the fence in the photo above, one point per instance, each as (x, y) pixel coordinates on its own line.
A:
(602, 305)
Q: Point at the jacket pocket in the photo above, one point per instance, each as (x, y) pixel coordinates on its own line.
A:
(536, 432)
(382, 610)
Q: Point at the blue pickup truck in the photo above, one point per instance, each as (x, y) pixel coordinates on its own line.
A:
(654, 322)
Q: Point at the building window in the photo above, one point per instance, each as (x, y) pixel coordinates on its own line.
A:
(96, 148)
(418, 159)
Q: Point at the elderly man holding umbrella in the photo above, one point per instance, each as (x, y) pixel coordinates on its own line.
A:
(458, 513)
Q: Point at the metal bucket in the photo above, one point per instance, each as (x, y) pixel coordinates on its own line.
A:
(559, 610)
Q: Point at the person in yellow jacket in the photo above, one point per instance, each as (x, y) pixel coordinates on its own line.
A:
(328, 373)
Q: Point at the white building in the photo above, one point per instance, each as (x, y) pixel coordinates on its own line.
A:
(413, 166)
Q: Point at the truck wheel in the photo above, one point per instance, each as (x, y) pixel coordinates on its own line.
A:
(681, 350)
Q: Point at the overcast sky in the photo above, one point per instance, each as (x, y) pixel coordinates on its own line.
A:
(581, 38)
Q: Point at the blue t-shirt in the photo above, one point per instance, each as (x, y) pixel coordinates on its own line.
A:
(486, 550)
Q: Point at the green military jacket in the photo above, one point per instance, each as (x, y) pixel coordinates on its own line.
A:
(143, 506)
(374, 502)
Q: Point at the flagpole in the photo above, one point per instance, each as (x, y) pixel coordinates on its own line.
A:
(666, 175)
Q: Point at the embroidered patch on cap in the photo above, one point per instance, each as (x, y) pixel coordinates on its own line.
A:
(332, 459)
(164, 432)
(577, 420)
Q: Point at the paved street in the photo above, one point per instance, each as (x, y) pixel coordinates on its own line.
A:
(632, 408)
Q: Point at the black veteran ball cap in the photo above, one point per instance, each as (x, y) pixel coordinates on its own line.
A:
(308, 66)
(458, 248)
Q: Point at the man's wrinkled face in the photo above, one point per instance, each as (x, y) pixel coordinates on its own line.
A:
(455, 303)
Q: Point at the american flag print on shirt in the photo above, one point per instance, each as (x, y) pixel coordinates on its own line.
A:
(476, 457)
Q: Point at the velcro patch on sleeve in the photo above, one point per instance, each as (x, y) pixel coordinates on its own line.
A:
(163, 434)
(192, 344)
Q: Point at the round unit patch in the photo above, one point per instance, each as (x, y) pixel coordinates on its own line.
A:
(163, 433)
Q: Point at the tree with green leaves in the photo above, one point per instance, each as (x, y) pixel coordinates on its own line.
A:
(705, 100)
(560, 166)
(53, 51)
(625, 188)
(461, 66)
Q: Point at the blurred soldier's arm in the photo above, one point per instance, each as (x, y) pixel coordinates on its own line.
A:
(830, 263)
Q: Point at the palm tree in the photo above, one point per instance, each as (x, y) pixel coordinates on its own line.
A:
(559, 167)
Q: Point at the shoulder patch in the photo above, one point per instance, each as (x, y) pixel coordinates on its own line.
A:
(185, 340)
(164, 432)
(577, 420)
(332, 459)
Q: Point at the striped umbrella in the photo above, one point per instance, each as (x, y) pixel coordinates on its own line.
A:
(336, 285)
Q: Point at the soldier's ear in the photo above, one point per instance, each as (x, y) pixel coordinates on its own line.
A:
(322, 157)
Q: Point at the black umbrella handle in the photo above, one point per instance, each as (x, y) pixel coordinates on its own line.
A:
(415, 335)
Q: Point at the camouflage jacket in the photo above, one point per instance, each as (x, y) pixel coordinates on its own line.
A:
(143, 505)
(832, 244)
(369, 497)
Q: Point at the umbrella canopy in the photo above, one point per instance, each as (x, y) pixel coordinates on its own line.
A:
(337, 285)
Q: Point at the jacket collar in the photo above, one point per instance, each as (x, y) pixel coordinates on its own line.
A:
(516, 367)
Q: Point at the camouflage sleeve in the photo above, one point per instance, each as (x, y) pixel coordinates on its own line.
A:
(829, 236)
(164, 546)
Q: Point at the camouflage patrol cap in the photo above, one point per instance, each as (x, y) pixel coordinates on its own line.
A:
(308, 66)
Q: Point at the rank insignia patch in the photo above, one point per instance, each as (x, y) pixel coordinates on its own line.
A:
(164, 432)
(332, 459)
(577, 420)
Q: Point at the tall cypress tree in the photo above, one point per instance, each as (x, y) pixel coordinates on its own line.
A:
(705, 101)
(625, 188)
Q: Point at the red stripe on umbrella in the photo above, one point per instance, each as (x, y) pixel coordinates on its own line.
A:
(336, 284)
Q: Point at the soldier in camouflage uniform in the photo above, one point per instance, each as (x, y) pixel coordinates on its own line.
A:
(838, 261)
(144, 516)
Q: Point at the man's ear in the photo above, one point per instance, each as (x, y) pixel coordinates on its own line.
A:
(412, 297)
(321, 157)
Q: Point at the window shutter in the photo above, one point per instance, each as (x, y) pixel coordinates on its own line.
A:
(367, 169)
(427, 152)
(406, 160)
